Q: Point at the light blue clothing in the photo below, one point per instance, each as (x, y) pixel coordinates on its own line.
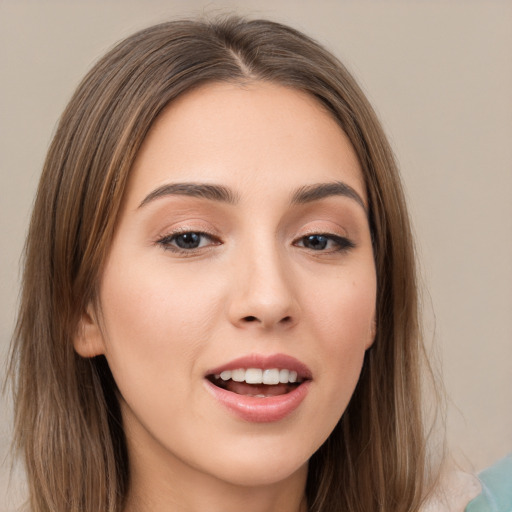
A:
(496, 493)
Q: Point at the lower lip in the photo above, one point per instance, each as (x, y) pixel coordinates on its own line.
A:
(260, 410)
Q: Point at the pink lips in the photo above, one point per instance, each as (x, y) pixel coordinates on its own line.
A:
(257, 409)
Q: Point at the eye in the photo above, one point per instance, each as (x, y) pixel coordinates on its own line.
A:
(187, 241)
(325, 243)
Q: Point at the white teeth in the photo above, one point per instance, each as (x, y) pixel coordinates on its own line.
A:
(238, 375)
(254, 376)
(270, 376)
(225, 375)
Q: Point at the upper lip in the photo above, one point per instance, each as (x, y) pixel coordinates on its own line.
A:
(280, 361)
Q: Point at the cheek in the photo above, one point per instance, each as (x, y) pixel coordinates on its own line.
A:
(155, 321)
(342, 317)
(344, 309)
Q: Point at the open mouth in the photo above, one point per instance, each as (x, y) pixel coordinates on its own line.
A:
(256, 382)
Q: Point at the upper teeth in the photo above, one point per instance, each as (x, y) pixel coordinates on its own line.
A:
(258, 376)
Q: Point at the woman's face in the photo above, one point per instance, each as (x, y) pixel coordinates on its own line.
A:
(243, 246)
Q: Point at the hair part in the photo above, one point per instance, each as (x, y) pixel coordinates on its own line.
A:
(75, 451)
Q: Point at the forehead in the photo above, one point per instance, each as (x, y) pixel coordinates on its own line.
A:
(251, 135)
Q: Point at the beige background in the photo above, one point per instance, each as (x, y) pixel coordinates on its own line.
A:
(439, 75)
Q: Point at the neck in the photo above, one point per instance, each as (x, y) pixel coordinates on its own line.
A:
(169, 492)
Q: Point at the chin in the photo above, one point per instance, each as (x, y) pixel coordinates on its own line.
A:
(257, 459)
(259, 473)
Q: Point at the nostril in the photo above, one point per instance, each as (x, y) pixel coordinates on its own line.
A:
(286, 320)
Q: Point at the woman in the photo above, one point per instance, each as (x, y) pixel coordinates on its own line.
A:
(219, 306)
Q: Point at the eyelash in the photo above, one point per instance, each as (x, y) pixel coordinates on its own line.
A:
(342, 244)
(166, 241)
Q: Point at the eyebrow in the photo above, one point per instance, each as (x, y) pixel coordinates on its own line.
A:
(220, 193)
(315, 192)
(200, 190)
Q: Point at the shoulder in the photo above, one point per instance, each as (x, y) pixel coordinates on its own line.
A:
(458, 491)
(496, 494)
(453, 492)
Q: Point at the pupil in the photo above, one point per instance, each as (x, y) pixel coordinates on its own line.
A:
(316, 242)
(188, 240)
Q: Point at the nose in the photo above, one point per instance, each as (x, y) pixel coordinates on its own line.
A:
(263, 292)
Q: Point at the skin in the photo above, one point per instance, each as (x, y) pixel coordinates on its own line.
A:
(253, 286)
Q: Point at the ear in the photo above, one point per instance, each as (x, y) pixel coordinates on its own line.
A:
(372, 333)
(88, 340)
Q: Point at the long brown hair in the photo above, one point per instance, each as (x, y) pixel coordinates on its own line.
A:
(67, 419)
